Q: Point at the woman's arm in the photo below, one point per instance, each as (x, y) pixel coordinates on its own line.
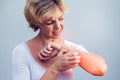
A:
(93, 63)
(20, 64)
(63, 62)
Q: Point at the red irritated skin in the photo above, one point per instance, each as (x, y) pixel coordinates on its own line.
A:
(92, 63)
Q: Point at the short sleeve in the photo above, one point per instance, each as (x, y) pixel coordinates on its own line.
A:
(75, 46)
(20, 64)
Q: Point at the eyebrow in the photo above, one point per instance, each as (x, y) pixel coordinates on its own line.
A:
(52, 18)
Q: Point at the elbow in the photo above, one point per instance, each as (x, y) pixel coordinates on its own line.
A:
(100, 71)
(103, 70)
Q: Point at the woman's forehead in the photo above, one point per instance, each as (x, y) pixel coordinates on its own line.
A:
(56, 14)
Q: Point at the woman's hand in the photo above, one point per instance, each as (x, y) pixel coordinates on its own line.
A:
(49, 50)
(66, 60)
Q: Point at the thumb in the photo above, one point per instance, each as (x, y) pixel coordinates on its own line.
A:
(62, 51)
(56, 46)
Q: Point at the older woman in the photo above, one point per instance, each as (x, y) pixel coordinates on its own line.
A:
(48, 56)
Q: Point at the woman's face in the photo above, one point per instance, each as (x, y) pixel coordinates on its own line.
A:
(53, 27)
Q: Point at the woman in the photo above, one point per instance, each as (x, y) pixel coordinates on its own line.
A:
(48, 56)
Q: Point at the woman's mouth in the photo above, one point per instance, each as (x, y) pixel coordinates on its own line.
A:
(56, 33)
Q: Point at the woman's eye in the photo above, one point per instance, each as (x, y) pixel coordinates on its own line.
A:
(61, 19)
(49, 22)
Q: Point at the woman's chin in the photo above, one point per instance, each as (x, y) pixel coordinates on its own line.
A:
(57, 36)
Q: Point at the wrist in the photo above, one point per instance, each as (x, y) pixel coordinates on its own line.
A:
(53, 70)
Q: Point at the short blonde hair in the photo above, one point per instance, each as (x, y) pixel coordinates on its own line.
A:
(36, 11)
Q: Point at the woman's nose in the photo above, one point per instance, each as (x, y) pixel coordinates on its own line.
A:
(57, 25)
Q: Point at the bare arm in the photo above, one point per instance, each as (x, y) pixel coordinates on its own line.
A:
(93, 64)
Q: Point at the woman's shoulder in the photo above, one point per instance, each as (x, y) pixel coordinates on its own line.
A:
(70, 43)
(20, 47)
(20, 50)
(74, 45)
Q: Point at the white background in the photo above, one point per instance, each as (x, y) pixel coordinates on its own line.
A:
(95, 24)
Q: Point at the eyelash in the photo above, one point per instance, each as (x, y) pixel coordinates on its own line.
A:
(61, 19)
(51, 22)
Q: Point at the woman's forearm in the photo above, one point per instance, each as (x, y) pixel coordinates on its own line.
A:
(50, 74)
(93, 64)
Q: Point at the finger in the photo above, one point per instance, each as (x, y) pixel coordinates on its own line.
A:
(49, 46)
(73, 65)
(56, 46)
(54, 53)
(44, 54)
(62, 51)
(75, 62)
(42, 58)
(47, 51)
(71, 53)
(74, 58)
